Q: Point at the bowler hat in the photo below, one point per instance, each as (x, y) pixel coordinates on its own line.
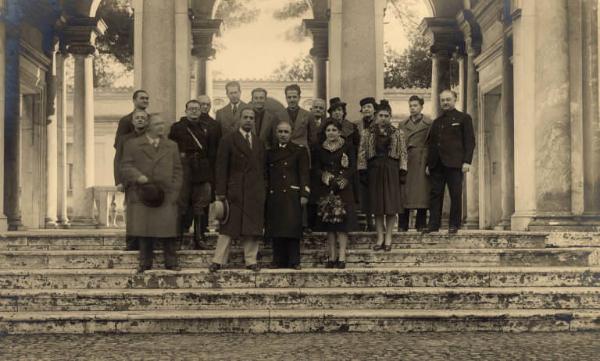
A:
(368, 100)
(221, 209)
(335, 103)
(151, 194)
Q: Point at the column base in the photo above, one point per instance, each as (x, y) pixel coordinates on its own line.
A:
(3, 224)
(569, 223)
(471, 224)
(82, 223)
(51, 223)
(15, 224)
(504, 225)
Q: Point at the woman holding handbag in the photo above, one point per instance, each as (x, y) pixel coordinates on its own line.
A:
(382, 153)
(335, 164)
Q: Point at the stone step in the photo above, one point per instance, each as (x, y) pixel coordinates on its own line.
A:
(317, 258)
(294, 321)
(112, 240)
(300, 298)
(312, 278)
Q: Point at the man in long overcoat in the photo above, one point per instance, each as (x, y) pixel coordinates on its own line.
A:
(240, 181)
(139, 121)
(153, 160)
(450, 146)
(229, 116)
(417, 188)
(288, 191)
(198, 136)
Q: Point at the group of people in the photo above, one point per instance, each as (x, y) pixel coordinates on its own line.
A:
(277, 175)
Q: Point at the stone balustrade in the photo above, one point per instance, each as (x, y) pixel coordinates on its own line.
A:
(109, 207)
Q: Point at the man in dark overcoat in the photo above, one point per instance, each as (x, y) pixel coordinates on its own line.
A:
(141, 100)
(288, 191)
(139, 121)
(228, 116)
(416, 189)
(450, 146)
(198, 136)
(151, 167)
(240, 181)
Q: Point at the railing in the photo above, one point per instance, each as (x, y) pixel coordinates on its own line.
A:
(109, 207)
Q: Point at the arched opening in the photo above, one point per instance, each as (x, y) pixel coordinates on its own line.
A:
(262, 44)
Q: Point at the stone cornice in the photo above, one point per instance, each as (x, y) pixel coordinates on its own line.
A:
(37, 57)
(490, 54)
(444, 35)
(203, 31)
(79, 35)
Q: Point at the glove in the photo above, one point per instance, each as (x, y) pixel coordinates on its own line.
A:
(402, 176)
(364, 177)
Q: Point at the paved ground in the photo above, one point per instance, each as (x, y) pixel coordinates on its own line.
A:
(340, 346)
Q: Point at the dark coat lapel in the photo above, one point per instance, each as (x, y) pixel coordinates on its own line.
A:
(241, 143)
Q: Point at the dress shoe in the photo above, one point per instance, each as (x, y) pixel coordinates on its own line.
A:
(341, 264)
(201, 246)
(402, 230)
(388, 248)
(378, 247)
(214, 267)
(429, 230)
(253, 267)
(330, 264)
(452, 230)
(297, 267)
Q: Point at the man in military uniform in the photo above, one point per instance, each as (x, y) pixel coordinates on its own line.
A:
(198, 136)
(288, 191)
(450, 146)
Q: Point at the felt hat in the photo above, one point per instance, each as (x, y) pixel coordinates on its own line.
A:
(151, 194)
(221, 210)
(368, 100)
(335, 103)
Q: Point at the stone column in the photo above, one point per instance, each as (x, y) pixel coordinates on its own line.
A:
(158, 47)
(541, 84)
(507, 144)
(51, 149)
(183, 61)
(472, 37)
(203, 31)
(12, 130)
(83, 141)
(61, 125)
(334, 73)
(319, 54)
(361, 52)
(3, 169)
(138, 17)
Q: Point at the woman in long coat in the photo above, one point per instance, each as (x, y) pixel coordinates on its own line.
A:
(417, 187)
(383, 154)
(335, 165)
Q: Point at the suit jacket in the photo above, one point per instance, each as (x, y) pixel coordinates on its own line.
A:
(300, 128)
(287, 177)
(451, 140)
(228, 121)
(266, 128)
(199, 164)
(240, 177)
(125, 126)
(162, 166)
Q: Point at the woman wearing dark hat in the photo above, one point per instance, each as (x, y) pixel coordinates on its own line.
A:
(367, 109)
(382, 153)
(350, 132)
(335, 165)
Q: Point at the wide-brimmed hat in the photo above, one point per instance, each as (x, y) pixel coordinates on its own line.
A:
(151, 194)
(335, 103)
(221, 210)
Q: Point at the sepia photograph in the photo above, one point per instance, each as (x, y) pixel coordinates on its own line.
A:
(300, 180)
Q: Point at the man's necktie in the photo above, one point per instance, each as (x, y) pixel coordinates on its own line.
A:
(248, 140)
(234, 107)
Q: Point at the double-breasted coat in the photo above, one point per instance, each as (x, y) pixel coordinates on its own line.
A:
(240, 177)
(417, 187)
(287, 180)
(227, 119)
(162, 166)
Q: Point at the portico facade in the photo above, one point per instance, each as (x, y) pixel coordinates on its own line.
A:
(527, 74)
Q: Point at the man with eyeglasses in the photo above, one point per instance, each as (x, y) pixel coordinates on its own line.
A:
(198, 136)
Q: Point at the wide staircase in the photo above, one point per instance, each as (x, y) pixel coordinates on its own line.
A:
(83, 282)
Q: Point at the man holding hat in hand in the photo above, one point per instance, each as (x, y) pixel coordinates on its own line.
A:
(152, 169)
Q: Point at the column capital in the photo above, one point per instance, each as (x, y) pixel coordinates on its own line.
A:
(78, 37)
(319, 29)
(471, 32)
(444, 35)
(203, 31)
